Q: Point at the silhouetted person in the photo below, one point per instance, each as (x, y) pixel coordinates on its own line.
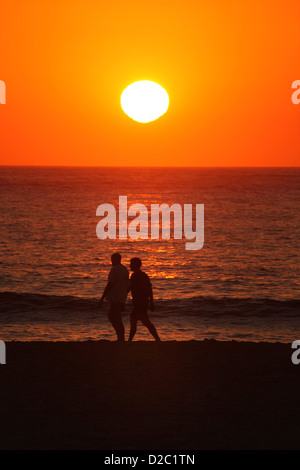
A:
(116, 292)
(142, 298)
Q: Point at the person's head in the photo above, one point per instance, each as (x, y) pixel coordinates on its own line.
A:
(135, 264)
(115, 259)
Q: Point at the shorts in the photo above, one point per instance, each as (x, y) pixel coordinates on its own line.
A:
(139, 312)
(115, 311)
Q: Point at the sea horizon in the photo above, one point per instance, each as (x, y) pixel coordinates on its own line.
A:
(152, 166)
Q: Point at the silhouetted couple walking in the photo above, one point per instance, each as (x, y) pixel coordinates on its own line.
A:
(116, 292)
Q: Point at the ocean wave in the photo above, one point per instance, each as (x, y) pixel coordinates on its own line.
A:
(14, 306)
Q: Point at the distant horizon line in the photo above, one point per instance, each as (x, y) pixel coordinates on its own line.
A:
(144, 166)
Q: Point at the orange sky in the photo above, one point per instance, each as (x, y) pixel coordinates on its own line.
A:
(228, 67)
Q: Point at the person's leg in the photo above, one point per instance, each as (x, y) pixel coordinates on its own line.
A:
(147, 323)
(115, 317)
(133, 323)
(119, 327)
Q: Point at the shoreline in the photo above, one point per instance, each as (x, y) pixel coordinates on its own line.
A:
(37, 317)
(150, 340)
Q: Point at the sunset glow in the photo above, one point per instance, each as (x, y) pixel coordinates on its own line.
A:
(227, 68)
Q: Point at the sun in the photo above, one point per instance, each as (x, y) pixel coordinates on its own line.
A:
(144, 101)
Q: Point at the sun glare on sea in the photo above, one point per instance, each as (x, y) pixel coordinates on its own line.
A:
(144, 101)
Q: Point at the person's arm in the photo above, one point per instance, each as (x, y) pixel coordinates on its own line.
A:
(106, 290)
(151, 304)
(111, 280)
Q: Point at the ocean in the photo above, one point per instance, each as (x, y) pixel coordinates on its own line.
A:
(242, 285)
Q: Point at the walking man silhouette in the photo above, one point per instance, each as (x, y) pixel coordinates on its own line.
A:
(142, 298)
(116, 292)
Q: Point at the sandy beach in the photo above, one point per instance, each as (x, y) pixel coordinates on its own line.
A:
(149, 396)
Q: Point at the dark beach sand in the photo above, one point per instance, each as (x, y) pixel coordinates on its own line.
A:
(150, 396)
